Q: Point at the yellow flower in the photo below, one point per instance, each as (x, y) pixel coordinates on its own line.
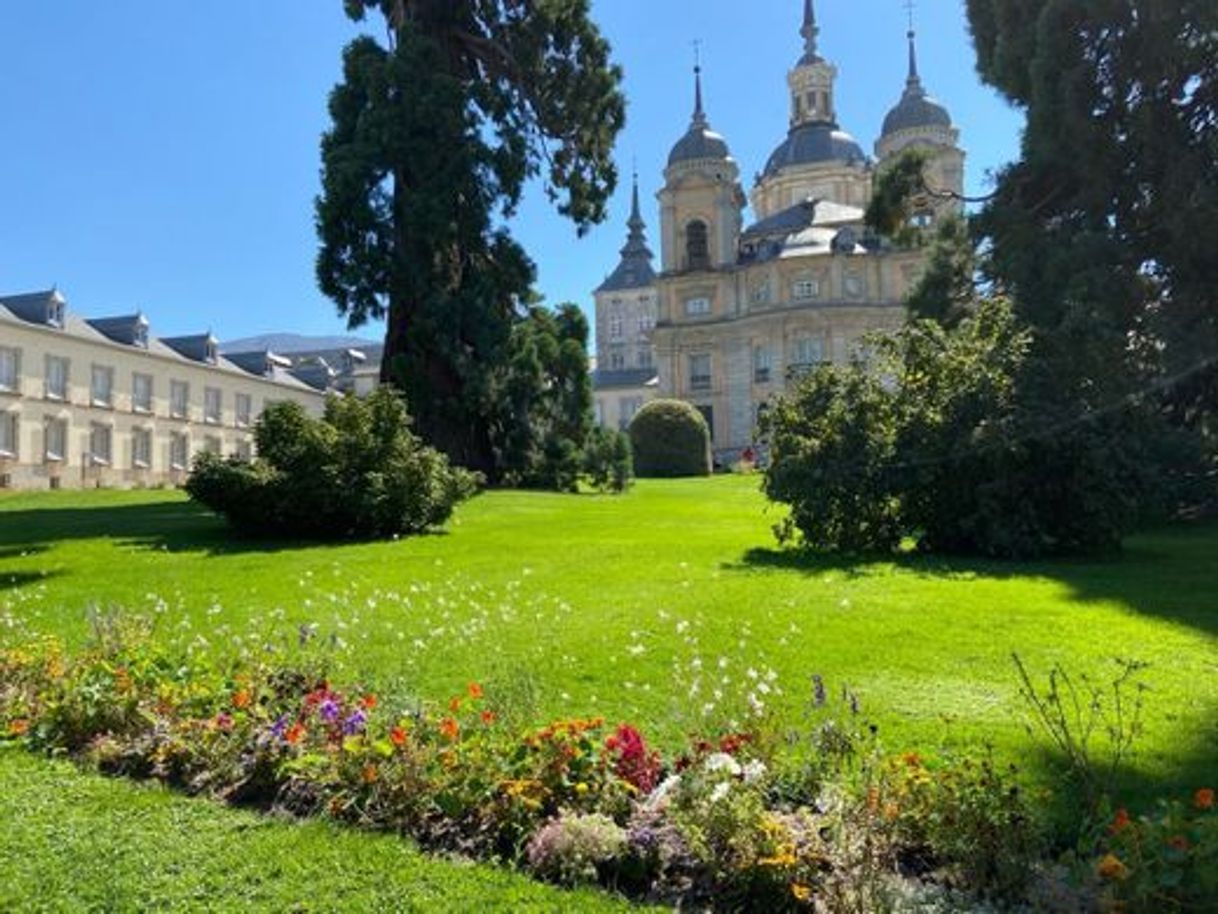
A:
(1112, 869)
(801, 892)
(581, 788)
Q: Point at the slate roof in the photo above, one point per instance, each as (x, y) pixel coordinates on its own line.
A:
(634, 270)
(630, 377)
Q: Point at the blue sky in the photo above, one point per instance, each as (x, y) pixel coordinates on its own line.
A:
(164, 156)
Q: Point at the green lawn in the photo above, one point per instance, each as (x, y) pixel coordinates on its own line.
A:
(653, 607)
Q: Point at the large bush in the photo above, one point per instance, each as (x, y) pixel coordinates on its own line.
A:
(940, 440)
(357, 472)
(670, 439)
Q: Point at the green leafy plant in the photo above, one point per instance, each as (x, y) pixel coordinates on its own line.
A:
(608, 461)
(670, 438)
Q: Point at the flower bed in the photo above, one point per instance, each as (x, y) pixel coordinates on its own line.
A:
(719, 825)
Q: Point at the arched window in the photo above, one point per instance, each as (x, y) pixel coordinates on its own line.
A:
(697, 246)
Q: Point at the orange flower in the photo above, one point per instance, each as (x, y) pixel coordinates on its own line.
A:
(1120, 821)
(370, 775)
(1204, 798)
(295, 734)
(1178, 843)
(19, 727)
(397, 736)
(241, 699)
(1112, 869)
(368, 702)
(454, 705)
(450, 728)
(912, 759)
(488, 717)
(475, 691)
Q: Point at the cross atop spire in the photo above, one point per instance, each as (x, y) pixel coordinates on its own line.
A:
(913, 83)
(810, 32)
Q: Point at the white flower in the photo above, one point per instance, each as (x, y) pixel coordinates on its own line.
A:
(721, 761)
(721, 790)
(753, 771)
(659, 797)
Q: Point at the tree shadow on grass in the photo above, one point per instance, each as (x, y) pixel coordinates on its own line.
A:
(1170, 573)
(12, 580)
(166, 526)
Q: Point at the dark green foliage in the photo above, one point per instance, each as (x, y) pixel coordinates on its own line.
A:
(669, 438)
(608, 461)
(547, 381)
(357, 472)
(433, 138)
(899, 188)
(936, 442)
(1103, 230)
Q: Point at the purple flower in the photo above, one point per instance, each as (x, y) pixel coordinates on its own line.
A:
(355, 723)
(329, 710)
(818, 691)
(280, 728)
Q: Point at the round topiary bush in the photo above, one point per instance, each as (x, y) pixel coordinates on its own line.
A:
(669, 439)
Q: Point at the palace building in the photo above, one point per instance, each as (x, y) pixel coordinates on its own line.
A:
(102, 402)
(736, 311)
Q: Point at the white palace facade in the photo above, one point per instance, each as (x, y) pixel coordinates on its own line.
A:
(101, 402)
(736, 312)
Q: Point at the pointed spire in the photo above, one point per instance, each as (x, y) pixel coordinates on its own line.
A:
(635, 222)
(913, 82)
(699, 111)
(810, 32)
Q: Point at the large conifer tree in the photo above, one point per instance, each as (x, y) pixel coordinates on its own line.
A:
(435, 133)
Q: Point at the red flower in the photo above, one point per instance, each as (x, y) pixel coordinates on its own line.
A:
(633, 763)
(488, 717)
(295, 734)
(368, 702)
(397, 736)
(734, 742)
(1120, 822)
(450, 728)
(1178, 842)
(1204, 798)
(475, 691)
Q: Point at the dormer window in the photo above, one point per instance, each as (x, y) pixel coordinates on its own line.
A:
(211, 353)
(139, 336)
(55, 312)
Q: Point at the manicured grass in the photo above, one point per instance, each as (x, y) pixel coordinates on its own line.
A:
(653, 607)
(72, 842)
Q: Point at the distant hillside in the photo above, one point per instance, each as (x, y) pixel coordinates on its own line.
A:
(294, 342)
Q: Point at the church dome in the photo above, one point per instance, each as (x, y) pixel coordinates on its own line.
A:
(813, 144)
(916, 109)
(699, 143)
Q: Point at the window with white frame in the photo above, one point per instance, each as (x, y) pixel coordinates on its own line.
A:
(55, 312)
(141, 448)
(141, 393)
(101, 444)
(807, 352)
(763, 364)
(8, 434)
(697, 306)
(101, 388)
(700, 371)
(10, 368)
(57, 378)
(179, 451)
(615, 324)
(56, 445)
(647, 319)
(179, 399)
(244, 410)
(617, 360)
(211, 405)
(805, 289)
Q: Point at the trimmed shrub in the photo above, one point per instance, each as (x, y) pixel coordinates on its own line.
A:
(608, 461)
(670, 439)
(357, 472)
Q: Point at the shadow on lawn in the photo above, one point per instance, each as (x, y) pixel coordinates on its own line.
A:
(1171, 573)
(170, 527)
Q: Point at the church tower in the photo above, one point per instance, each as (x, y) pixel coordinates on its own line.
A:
(817, 160)
(701, 203)
(920, 122)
